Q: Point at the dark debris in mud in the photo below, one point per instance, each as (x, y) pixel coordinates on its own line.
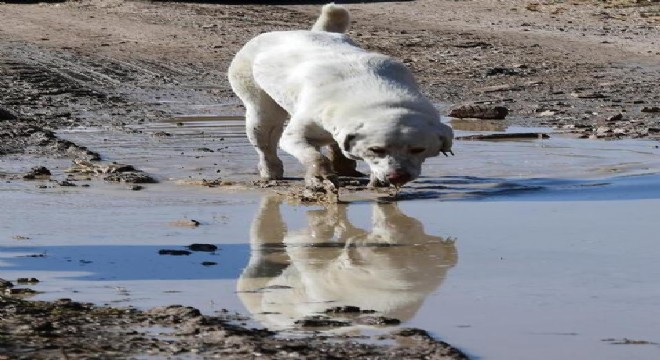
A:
(73, 330)
(506, 136)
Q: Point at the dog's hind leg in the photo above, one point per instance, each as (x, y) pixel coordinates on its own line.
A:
(264, 122)
(264, 118)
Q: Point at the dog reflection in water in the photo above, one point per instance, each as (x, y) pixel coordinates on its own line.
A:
(296, 274)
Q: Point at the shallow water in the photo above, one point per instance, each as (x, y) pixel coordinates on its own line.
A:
(536, 249)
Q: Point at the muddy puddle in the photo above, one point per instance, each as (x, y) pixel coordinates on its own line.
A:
(540, 248)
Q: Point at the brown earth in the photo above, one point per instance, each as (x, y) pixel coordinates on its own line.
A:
(591, 67)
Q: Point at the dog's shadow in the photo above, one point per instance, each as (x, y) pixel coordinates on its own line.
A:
(328, 263)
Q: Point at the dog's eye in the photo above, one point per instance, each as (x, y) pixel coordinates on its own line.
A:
(416, 150)
(378, 150)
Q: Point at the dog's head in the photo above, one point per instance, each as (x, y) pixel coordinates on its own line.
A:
(395, 150)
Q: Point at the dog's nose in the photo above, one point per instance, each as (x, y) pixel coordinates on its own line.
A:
(398, 178)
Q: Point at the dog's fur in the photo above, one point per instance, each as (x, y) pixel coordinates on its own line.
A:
(364, 105)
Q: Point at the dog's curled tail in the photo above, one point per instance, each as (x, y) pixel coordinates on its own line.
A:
(333, 18)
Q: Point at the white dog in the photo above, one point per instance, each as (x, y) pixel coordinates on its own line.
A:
(365, 106)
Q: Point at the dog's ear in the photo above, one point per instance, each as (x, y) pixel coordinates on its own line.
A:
(347, 144)
(446, 137)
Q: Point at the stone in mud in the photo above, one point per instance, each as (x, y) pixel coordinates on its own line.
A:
(202, 247)
(6, 115)
(502, 71)
(131, 177)
(348, 310)
(343, 310)
(616, 117)
(651, 109)
(89, 167)
(4, 284)
(411, 332)
(27, 281)
(36, 172)
(175, 313)
(174, 252)
(320, 322)
(603, 131)
(507, 136)
(185, 223)
(19, 291)
(479, 111)
(377, 321)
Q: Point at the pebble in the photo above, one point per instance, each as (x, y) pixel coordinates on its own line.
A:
(185, 223)
(174, 252)
(377, 321)
(37, 172)
(202, 247)
(27, 280)
(479, 111)
(507, 136)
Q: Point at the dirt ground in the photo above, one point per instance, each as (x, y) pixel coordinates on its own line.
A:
(589, 67)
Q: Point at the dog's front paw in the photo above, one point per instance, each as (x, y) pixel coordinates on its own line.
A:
(322, 183)
(321, 178)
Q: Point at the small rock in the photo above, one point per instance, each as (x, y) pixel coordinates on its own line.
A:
(506, 136)
(175, 313)
(131, 177)
(4, 284)
(37, 172)
(588, 95)
(377, 321)
(185, 223)
(6, 115)
(502, 71)
(202, 247)
(135, 187)
(318, 321)
(209, 263)
(603, 130)
(65, 183)
(161, 134)
(651, 109)
(479, 112)
(19, 291)
(174, 252)
(343, 310)
(616, 117)
(411, 332)
(27, 281)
